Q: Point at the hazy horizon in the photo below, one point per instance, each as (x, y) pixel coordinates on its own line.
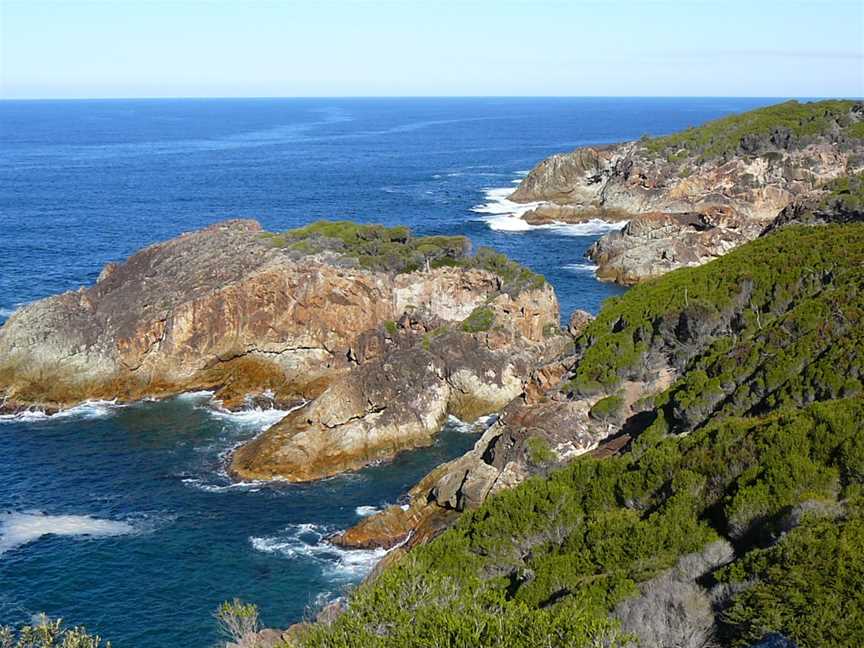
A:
(384, 48)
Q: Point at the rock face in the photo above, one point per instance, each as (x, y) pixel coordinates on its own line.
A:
(402, 398)
(333, 314)
(841, 201)
(542, 429)
(693, 196)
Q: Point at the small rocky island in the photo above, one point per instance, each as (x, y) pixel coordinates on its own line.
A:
(692, 196)
(379, 335)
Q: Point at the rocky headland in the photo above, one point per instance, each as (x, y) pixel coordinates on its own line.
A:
(690, 474)
(378, 334)
(692, 196)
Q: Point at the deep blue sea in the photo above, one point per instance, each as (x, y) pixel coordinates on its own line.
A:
(121, 518)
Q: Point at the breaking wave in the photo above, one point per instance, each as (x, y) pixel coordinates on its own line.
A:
(581, 268)
(18, 529)
(309, 542)
(87, 410)
(503, 215)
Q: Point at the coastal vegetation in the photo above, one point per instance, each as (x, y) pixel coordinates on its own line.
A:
(738, 133)
(48, 633)
(757, 445)
(396, 249)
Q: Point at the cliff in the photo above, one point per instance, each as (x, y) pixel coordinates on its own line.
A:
(380, 333)
(695, 195)
(721, 504)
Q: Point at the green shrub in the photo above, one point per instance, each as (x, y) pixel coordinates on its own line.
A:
(722, 137)
(806, 587)
(539, 451)
(46, 633)
(607, 408)
(480, 319)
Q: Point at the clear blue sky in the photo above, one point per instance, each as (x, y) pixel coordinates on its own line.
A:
(125, 48)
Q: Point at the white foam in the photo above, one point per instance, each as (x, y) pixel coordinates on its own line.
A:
(581, 268)
(87, 410)
(195, 396)
(6, 312)
(366, 511)
(18, 529)
(255, 417)
(504, 215)
(202, 484)
(476, 427)
(309, 542)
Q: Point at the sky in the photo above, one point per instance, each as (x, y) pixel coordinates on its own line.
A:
(151, 48)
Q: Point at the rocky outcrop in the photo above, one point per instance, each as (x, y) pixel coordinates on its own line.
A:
(334, 314)
(841, 201)
(537, 432)
(652, 244)
(402, 398)
(693, 196)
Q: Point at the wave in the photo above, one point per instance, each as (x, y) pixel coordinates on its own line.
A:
(252, 418)
(504, 215)
(18, 529)
(6, 312)
(580, 268)
(88, 410)
(366, 511)
(215, 478)
(309, 542)
(476, 427)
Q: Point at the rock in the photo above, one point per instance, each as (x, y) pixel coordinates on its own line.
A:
(654, 243)
(841, 201)
(687, 205)
(579, 320)
(401, 399)
(380, 355)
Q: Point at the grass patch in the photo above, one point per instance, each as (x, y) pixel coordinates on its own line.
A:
(480, 319)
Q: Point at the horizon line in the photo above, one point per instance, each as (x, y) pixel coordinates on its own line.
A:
(248, 97)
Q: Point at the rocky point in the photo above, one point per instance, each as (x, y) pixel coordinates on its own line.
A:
(690, 197)
(374, 335)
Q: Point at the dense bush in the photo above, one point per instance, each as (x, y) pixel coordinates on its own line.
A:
(723, 137)
(480, 319)
(571, 546)
(769, 342)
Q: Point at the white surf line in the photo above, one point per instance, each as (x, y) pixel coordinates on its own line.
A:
(19, 529)
(504, 215)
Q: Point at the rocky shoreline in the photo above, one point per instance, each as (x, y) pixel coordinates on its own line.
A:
(692, 196)
(380, 334)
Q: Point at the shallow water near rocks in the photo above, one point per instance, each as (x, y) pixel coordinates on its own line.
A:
(121, 518)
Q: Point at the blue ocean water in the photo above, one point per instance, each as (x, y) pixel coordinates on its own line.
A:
(120, 518)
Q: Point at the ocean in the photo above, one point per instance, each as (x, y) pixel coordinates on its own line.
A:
(121, 517)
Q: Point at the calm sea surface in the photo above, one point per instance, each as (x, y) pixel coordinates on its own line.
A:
(121, 518)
